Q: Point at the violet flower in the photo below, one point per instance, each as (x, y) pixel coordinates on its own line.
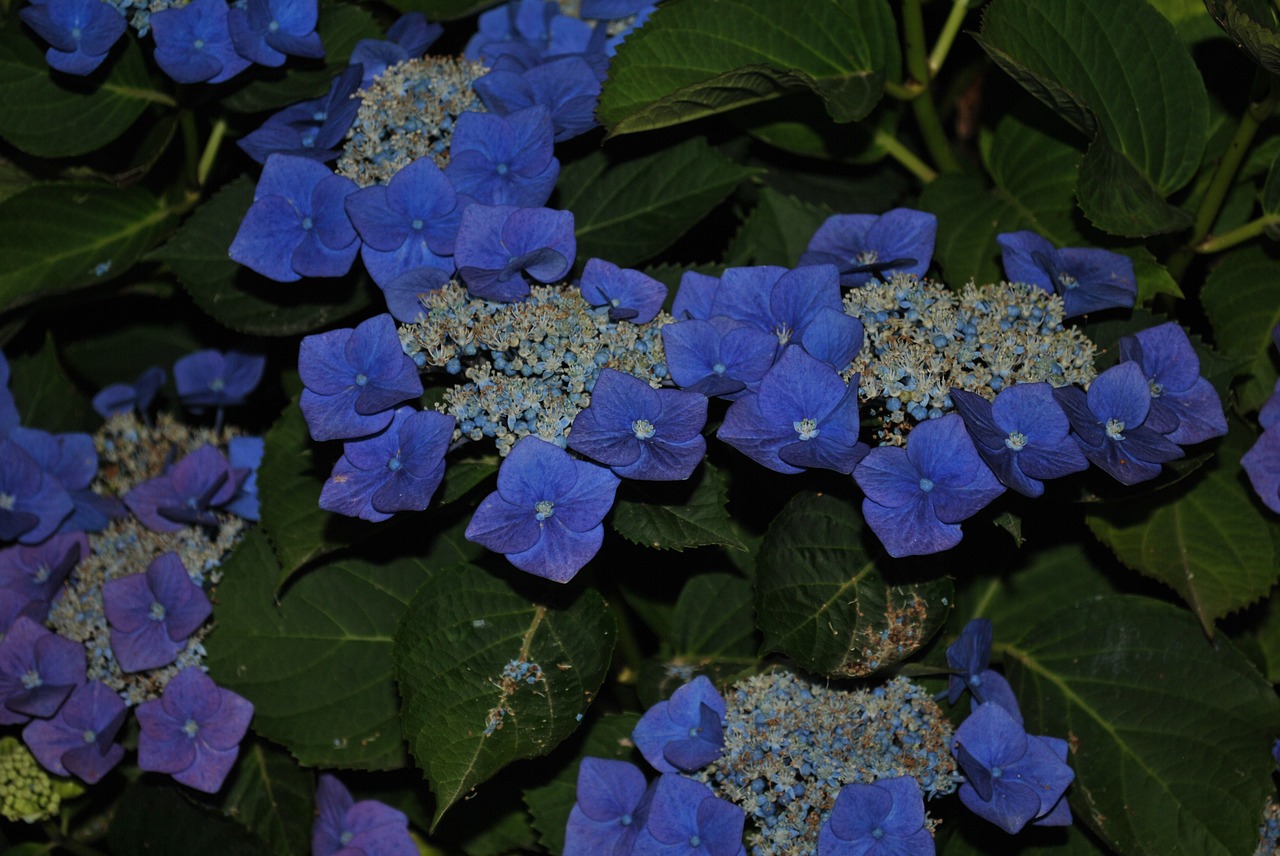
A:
(718, 357)
(32, 505)
(311, 129)
(120, 398)
(567, 86)
(871, 248)
(499, 245)
(215, 379)
(684, 732)
(153, 614)
(38, 670)
(80, 33)
(407, 38)
(504, 160)
(268, 31)
(193, 43)
(612, 805)
(344, 826)
(37, 572)
(685, 817)
(629, 294)
(1185, 407)
(883, 818)
(1089, 280)
(187, 494)
(80, 739)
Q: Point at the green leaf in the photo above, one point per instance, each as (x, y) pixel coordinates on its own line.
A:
(120, 354)
(1190, 18)
(629, 210)
(1252, 25)
(1206, 539)
(1243, 305)
(678, 515)
(1168, 732)
(46, 398)
(1267, 637)
(825, 600)
(464, 716)
(776, 231)
(978, 838)
(714, 619)
(158, 819)
(57, 237)
(236, 296)
(271, 796)
(1135, 93)
(443, 10)
(460, 477)
(695, 58)
(52, 115)
(316, 663)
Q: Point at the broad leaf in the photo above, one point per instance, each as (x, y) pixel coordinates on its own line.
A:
(489, 676)
(676, 516)
(714, 619)
(776, 231)
(1190, 18)
(1252, 25)
(1168, 733)
(1243, 305)
(120, 354)
(695, 58)
(1266, 635)
(158, 819)
(629, 210)
(46, 397)
(236, 296)
(271, 796)
(826, 600)
(1135, 93)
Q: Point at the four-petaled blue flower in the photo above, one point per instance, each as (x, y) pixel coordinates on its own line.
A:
(684, 732)
(408, 38)
(613, 803)
(80, 740)
(245, 454)
(917, 496)
(1089, 280)
(567, 86)
(499, 244)
(32, 505)
(1184, 406)
(629, 294)
(37, 572)
(38, 670)
(869, 248)
(884, 818)
(547, 514)
(640, 432)
(718, 356)
(504, 160)
(193, 43)
(80, 33)
(187, 494)
(119, 398)
(153, 614)
(311, 129)
(344, 826)
(267, 31)
(215, 379)
(685, 818)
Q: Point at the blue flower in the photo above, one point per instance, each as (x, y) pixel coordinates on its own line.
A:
(803, 416)
(215, 379)
(245, 453)
(504, 160)
(187, 494)
(32, 505)
(1012, 778)
(685, 818)
(80, 33)
(548, 511)
(612, 805)
(970, 655)
(695, 296)
(72, 461)
(153, 614)
(612, 10)
(884, 818)
(684, 732)
(1262, 464)
(498, 245)
(534, 30)
(1089, 280)
(193, 43)
(917, 496)
(568, 87)
(398, 469)
(718, 357)
(297, 225)
(869, 248)
(312, 129)
(1023, 435)
(266, 31)
(38, 670)
(118, 398)
(408, 38)
(37, 572)
(1109, 423)
(1184, 406)
(629, 294)
(79, 741)
(640, 432)
(344, 826)
(353, 378)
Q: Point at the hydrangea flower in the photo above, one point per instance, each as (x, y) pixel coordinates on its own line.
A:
(695, 296)
(193, 43)
(266, 31)
(803, 416)
(187, 493)
(32, 506)
(408, 38)
(686, 818)
(534, 30)
(504, 160)
(297, 225)
(498, 245)
(80, 33)
(568, 87)
(38, 670)
(916, 497)
(884, 818)
(72, 461)
(684, 732)
(866, 247)
(311, 129)
(1262, 464)
(612, 805)
(547, 514)
(80, 739)
(629, 294)
(718, 357)
(152, 614)
(398, 469)
(970, 656)
(640, 432)
(215, 379)
(120, 398)
(1089, 280)
(193, 731)
(245, 453)
(1184, 406)
(353, 377)
(344, 826)
(37, 572)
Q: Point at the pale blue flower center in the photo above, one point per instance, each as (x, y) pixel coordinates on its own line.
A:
(1067, 280)
(625, 820)
(157, 611)
(198, 44)
(89, 736)
(695, 841)
(7, 500)
(975, 680)
(1115, 429)
(307, 223)
(191, 728)
(996, 772)
(544, 509)
(926, 485)
(417, 223)
(877, 833)
(1016, 440)
(75, 33)
(273, 26)
(642, 428)
(719, 368)
(31, 680)
(362, 379)
(217, 384)
(393, 464)
(346, 837)
(867, 257)
(806, 428)
(694, 732)
(1157, 389)
(502, 169)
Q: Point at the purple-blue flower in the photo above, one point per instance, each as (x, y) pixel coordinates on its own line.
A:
(152, 614)
(80, 739)
(193, 731)
(1109, 424)
(408, 38)
(568, 87)
(803, 416)
(916, 497)
(498, 245)
(119, 398)
(72, 461)
(871, 248)
(37, 572)
(547, 514)
(629, 294)
(245, 453)
(1184, 406)
(1011, 778)
(1088, 279)
(695, 296)
(38, 670)
(1023, 435)
(398, 469)
(534, 30)
(1262, 464)
(687, 819)
(684, 732)
(32, 505)
(718, 357)
(884, 818)
(366, 828)
(297, 225)
(640, 432)
(970, 656)
(353, 377)
(216, 379)
(613, 801)
(266, 31)
(80, 33)
(312, 129)
(504, 160)
(193, 43)
(187, 494)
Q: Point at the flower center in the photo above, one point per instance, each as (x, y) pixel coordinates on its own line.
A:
(31, 680)
(417, 223)
(642, 428)
(1016, 440)
(1114, 429)
(1157, 389)
(719, 368)
(191, 728)
(393, 464)
(502, 169)
(362, 379)
(1067, 280)
(41, 574)
(7, 500)
(877, 833)
(784, 333)
(75, 33)
(625, 820)
(806, 428)
(926, 485)
(217, 384)
(273, 26)
(867, 257)
(695, 841)
(198, 44)
(89, 736)
(157, 611)
(346, 837)
(307, 223)
(544, 509)
(996, 772)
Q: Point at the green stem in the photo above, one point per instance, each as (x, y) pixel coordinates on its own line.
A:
(216, 135)
(959, 8)
(894, 148)
(926, 113)
(903, 91)
(1238, 235)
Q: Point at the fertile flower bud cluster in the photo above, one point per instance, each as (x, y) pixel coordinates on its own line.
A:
(27, 793)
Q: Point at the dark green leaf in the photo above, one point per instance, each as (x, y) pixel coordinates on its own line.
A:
(46, 398)
(827, 601)
(120, 354)
(978, 838)
(630, 210)
(1243, 305)
(1267, 637)
(461, 477)
(1252, 25)
(271, 796)
(694, 58)
(1168, 732)
(1135, 93)
(676, 516)
(12, 179)
(158, 819)
(1271, 193)
(776, 231)
(465, 716)
(236, 296)
(714, 619)
(505, 831)
(57, 237)
(51, 115)
(443, 10)
(1190, 18)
